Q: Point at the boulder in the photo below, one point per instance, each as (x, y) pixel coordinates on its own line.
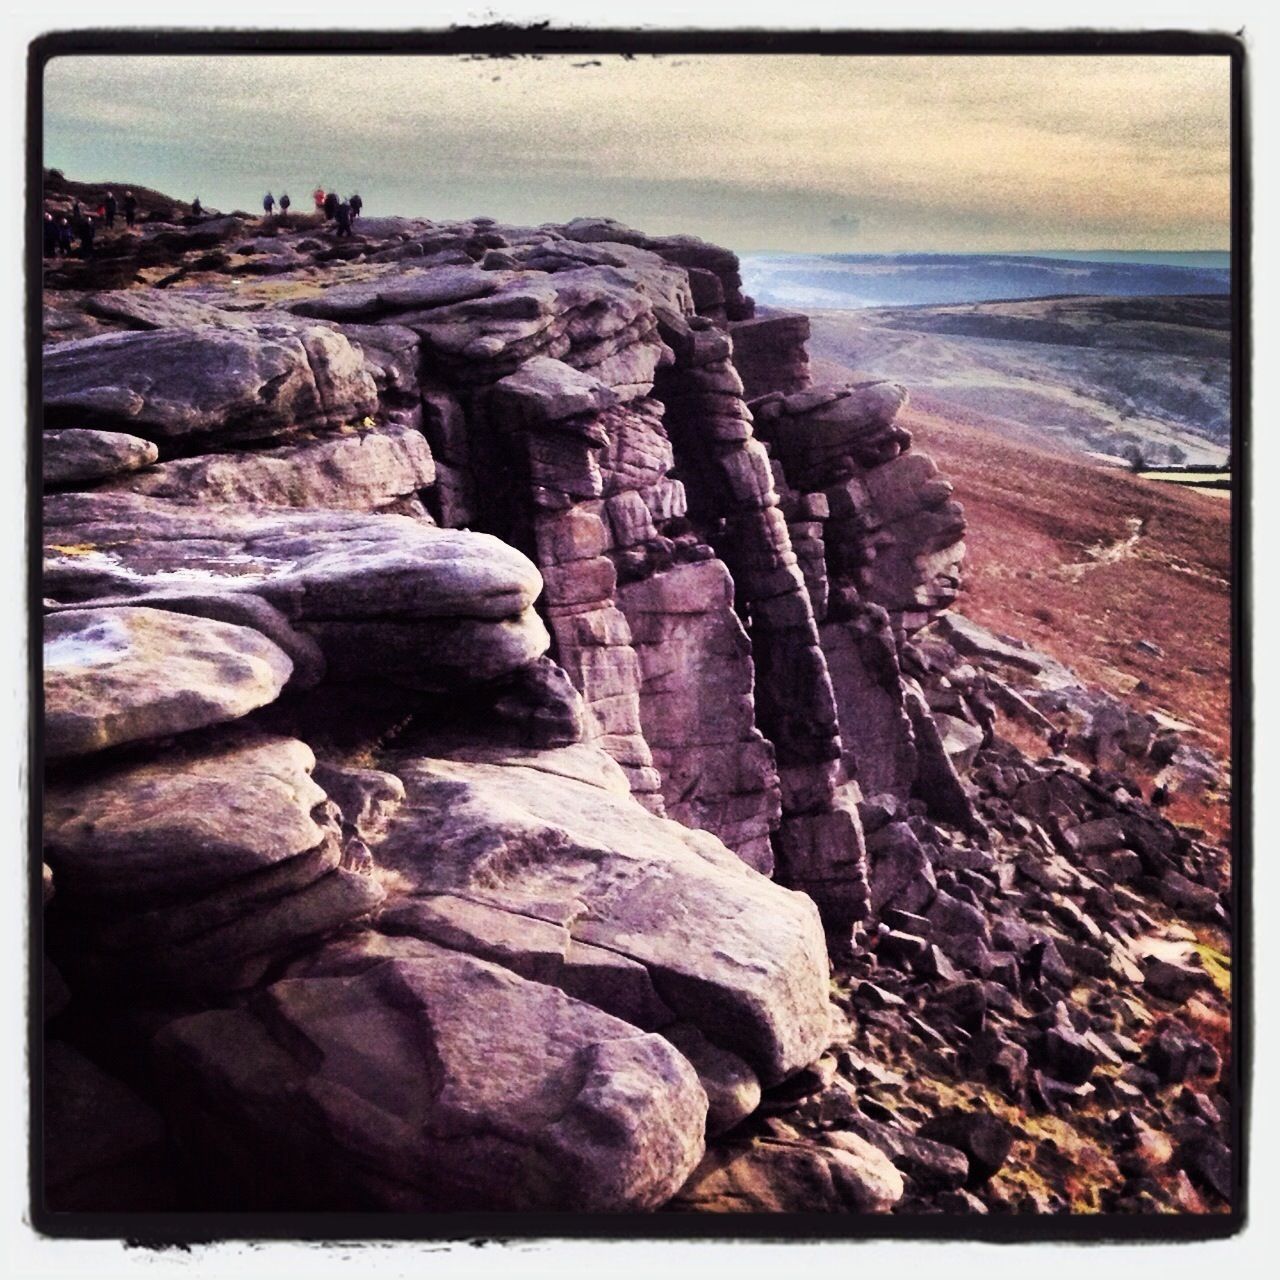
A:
(171, 385)
(985, 1139)
(185, 820)
(732, 1088)
(163, 309)
(76, 455)
(398, 291)
(113, 676)
(545, 391)
(781, 1175)
(555, 837)
(434, 1081)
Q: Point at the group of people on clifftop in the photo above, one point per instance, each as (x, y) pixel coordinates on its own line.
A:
(329, 203)
(61, 230)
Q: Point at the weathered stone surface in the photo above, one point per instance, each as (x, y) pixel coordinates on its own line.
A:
(769, 352)
(745, 588)
(543, 391)
(238, 954)
(149, 936)
(77, 455)
(398, 291)
(310, 564)
(731, 953)
(540, 950)
(358, 472)
(821, 437)
(123, 675)
(367, 798)
(960, 740)
(788, 1176)
(157, 309)
(984, 1138)
(732, 1088)
(876, 735)
(184, 821)
(439, 1081)
(243, 610)
(695, 707)
(170, 384)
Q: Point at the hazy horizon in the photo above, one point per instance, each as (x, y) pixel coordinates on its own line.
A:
(765, 153)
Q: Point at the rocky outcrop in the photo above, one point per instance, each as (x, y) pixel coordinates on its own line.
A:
(487, 1092)
(214, 384)
(125, 675)
(358, 470)
(76, 455)
(555, 838)
(485, 681)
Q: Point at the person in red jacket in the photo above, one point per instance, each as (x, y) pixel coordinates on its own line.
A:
(318, 196)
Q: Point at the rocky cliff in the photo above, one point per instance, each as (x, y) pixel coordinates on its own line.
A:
(488, 687)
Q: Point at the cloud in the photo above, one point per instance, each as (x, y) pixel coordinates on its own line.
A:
(944, 152)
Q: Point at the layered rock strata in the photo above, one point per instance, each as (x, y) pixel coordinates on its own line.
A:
(449, 632)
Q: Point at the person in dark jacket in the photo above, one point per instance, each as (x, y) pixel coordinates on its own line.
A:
(343, 216)
(285, 202)
(356, 205)
(197, 209)
(130, 208)
(268, 203)
(50, 235)
(331, 203)
(87, 229)
(109, 209)
(64, 237)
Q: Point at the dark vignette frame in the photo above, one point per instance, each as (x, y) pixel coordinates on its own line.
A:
(158, 1230)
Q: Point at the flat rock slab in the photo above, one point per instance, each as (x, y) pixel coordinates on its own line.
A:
(186, 821)
(555, 837)
(163, 309)
(382, 596)
(113, 676)
(975, 641)
(543, 391)
(311, 565)
(226, 384)
(77, 455)
(438, 1081)
(400, 291)
(356, 471)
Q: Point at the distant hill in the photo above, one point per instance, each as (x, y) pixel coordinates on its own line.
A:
(1081, 375)
(807, 281)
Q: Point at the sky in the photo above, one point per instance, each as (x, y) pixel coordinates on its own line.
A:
(796, 153)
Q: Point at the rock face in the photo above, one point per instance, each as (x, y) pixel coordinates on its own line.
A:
(485, 681)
